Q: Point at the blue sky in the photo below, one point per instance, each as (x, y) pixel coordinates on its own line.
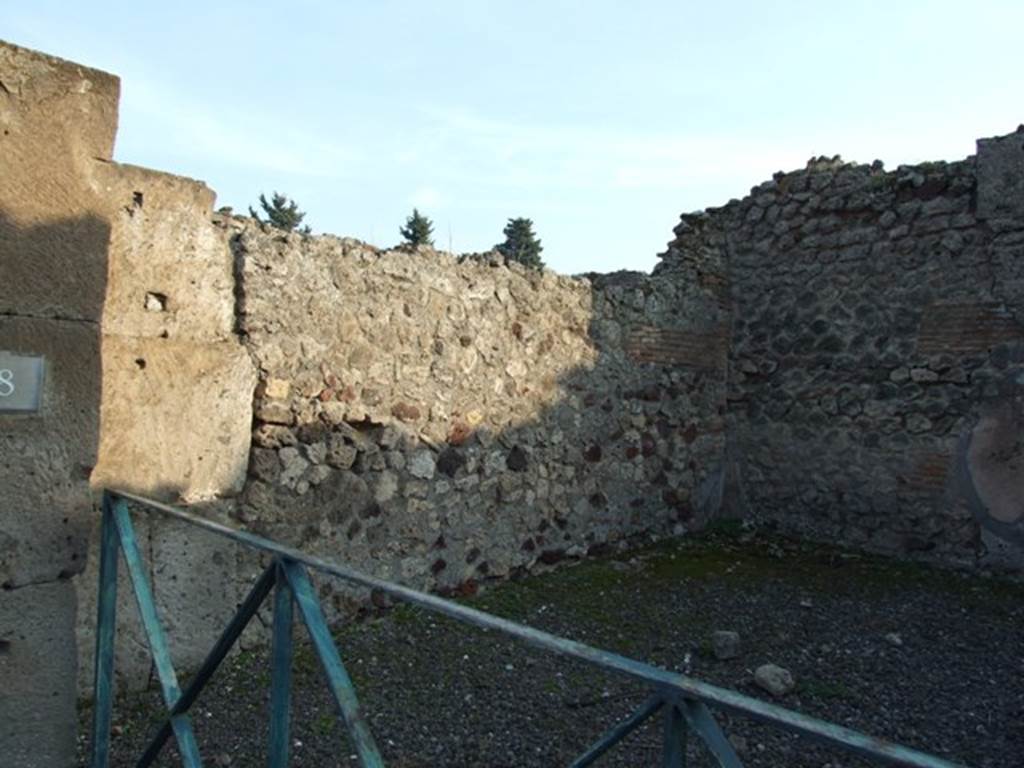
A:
(601, 121)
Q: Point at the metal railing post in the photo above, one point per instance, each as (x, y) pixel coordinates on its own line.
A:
(281, 671)
(338, 681)
(180, 724)
(674, 751)
(106, 626)
(618, 732)
(702, 722)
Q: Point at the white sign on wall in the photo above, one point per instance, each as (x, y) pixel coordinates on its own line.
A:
(21, 383)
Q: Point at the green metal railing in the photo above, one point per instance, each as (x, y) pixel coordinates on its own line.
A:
(682, 701)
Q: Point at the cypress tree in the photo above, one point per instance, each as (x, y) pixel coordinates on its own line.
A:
(417, 229)
(521, 244)
(281, 213)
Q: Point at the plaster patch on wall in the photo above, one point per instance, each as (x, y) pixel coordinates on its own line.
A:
(991, 461)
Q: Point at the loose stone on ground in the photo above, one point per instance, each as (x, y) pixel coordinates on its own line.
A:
(774, 679)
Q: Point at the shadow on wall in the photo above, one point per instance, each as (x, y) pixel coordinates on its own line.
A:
(517, 434)
(514, 433)
(48, 455)
(52, 288)
(55, 270)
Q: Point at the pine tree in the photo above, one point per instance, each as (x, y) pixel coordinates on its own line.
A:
(281, 212)
(417, 229)
(521, 244)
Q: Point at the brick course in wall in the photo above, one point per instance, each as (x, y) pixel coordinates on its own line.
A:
(966, 329)
(876, 316)
(666, 346)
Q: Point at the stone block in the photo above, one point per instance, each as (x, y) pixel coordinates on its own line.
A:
(1001, 176)
(176, 417)
(171, 273)
(37, 665)
(725, 644)
(277, 389)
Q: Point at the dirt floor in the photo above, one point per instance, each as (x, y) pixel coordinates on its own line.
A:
(931, 659)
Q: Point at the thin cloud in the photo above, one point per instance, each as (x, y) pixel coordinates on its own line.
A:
(571, 156)
(246, 140)
(427, 197)
(567, 156)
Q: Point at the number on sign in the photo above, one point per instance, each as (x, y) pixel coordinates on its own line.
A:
(6, 382)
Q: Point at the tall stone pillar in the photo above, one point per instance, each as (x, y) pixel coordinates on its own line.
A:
(57, 126)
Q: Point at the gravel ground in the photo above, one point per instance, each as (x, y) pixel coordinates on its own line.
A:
(437, 693)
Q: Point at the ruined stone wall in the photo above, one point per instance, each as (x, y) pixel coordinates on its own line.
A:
(438, 422)
(842, 352)
(876, 363)
(431, 421)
